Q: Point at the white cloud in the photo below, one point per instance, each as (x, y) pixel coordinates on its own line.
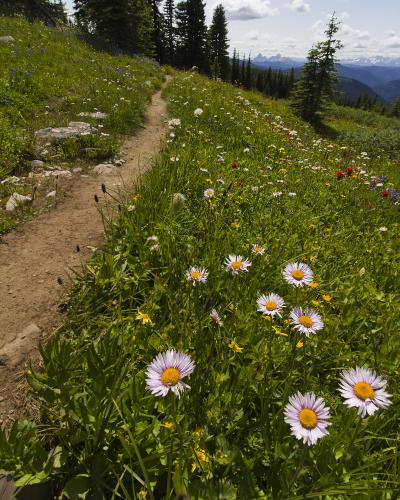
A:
(299, 6)
(253, 35)
(393, 42)
(350, 33)
(248, 9)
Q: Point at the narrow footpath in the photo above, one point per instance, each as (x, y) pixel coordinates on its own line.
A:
(39, 258)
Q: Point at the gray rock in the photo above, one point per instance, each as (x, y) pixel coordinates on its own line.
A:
(59, 173)
(77, 170)
(15, 200)
(74, 129)
(105, 169)
(97, 115)
(119, 163)
(37, 164)
(16, 351)
(7, 39)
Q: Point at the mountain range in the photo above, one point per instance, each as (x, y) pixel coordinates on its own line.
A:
(377, 76)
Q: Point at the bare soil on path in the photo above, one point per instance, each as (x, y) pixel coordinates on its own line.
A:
(40, 254)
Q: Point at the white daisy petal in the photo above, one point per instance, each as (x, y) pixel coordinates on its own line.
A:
(298, 274)
(166, 371)
(308, 417)
(196, 275)
(306, 321)
(236, 264)
(361, 388)
(270, 305)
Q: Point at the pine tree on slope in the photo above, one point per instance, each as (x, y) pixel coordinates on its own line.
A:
(218, 42)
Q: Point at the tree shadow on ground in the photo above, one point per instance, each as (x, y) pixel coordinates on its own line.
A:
(325, 130)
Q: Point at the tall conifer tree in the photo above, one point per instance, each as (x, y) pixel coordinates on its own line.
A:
(169, 31)
(317, 86)
(192, 35)
(218, 42)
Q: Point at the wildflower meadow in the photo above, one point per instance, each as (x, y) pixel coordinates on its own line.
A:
(237, 338)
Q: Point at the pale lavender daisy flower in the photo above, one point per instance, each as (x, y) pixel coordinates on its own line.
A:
(270, 305)
(166, 371)
(307, 321)
(209, 193)
(236, 264)
(257, 249)
(216, 318)
(308, 417)
(298, 274)
(363, 389)
(196, 275)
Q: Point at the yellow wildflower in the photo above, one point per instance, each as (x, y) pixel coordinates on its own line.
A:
(168, 425)
(198, 433)
(327, 298)
(299, 344)
(235, 225)
(142, 495)
(144, 318)
(200, 459)
(231, 307)
(235, 347)
(279, 332)
(313, 284)
(315, 303)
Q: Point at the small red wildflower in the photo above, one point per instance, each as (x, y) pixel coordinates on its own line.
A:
(339, 175)
(386, 193)
(349, 171)
(234, 164)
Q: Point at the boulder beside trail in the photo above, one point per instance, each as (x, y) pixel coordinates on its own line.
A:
(74, 129)
(37, 164)
(96, 115)
(15, 200)
(105, 169)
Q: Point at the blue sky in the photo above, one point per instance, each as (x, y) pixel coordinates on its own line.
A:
(289, 27)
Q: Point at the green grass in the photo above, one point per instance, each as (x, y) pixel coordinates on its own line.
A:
(104, 436)
(48, 77)
(368, 131)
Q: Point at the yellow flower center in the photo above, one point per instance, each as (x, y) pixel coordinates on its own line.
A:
(297, 274)
(364, 391)
(258, 249)
(237, 264)
(196, 275)
(306, 321)
(170, 376)
(308, 418)
(270, 306)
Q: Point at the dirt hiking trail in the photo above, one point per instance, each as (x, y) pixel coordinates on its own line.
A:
(38, 253)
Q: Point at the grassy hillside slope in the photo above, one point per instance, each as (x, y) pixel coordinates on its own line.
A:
(47, 78)
(274, 185)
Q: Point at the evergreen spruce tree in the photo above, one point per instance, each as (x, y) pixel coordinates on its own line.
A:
(260, 81)
(218, 43)
(125, 23)
(169, 31)
(157, 34)
(316, 87)
(51, 12)
(243, 71)
(248, 76)
(235, 72)
(192, 35)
